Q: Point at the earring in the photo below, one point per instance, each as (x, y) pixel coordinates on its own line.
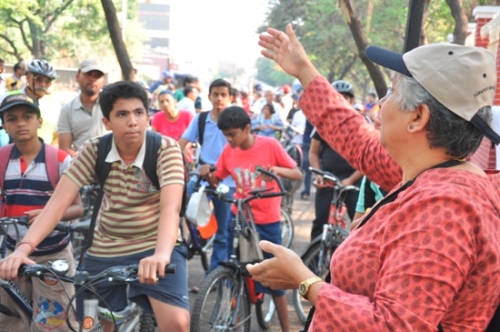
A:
(410, 127)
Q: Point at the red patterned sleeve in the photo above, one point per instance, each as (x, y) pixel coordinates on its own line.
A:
(348, 133)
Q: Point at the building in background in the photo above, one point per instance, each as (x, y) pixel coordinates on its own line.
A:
(155, 17)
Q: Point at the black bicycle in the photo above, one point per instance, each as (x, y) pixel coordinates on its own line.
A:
(132, 318)
(226, 294)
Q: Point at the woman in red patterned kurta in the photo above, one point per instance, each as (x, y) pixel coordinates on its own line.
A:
(431, 256)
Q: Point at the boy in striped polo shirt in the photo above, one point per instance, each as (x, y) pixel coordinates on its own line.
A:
(138, 223)
(27, 188)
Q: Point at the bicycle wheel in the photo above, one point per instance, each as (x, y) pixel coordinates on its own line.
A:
(147, 322)
(265, 310)
(287, 229)
(311, 260)
(221, 299)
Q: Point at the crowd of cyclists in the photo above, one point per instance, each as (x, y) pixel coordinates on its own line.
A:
(176, 112)
(226, 143)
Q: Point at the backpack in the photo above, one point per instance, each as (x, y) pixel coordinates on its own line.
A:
(102, 169)
(201, 126)
(51, 165)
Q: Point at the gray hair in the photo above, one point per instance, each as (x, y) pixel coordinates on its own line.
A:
(445, 129)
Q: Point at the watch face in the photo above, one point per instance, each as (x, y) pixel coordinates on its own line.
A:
(302, 289)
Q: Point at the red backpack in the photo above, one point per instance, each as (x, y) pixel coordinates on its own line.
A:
(51, 164)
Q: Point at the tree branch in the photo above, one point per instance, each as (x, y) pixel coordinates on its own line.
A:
(56, 14)
(14, 52)
(461, 22)
(361, 41)
(23, 34)
(347, 68)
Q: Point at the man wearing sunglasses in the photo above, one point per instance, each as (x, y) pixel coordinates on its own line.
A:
(39, 76)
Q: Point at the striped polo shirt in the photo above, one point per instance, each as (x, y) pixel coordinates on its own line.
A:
(130, 211)
(27, 187)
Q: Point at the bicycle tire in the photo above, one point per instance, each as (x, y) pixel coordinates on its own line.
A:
(265, 310)
(309, 259)
(220, 288)
(147, 322)
(287, 229)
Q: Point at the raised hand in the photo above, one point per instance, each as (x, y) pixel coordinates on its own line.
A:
(286, 50)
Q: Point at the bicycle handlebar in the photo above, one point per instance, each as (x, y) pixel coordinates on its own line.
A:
(24, 221)
(326, 175)
(127, 273)
(273, 176)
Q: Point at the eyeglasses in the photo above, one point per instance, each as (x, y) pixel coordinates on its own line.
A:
(42, 79)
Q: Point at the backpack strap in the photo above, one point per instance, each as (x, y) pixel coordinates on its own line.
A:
(102, 169)
(5, 153)
(153, 144)
(201, 126)
(52, 164)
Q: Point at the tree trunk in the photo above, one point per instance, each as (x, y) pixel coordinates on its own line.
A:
(369, 14)
(362, 43)
(423, 34)
(461, 22)
(117, 40)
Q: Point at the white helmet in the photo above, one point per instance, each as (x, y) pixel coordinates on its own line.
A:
(42, 67)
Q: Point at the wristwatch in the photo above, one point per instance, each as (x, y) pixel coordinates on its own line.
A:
(306, 284)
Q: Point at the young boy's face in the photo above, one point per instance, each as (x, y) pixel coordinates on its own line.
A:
(21, 123)
(220, 97)
(128, 120)
(236, 136)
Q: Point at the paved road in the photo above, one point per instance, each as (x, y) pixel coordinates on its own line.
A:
(303, 215)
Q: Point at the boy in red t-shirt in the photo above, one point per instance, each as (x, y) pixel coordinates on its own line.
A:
(243, 153)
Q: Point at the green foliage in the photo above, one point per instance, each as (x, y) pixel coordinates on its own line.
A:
(270, 73)
(322, 28)
(60, 29)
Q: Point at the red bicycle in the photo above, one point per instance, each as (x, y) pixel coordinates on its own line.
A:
(319, 252)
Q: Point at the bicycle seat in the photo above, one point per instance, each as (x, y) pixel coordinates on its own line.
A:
(259, 191)
(80, 227)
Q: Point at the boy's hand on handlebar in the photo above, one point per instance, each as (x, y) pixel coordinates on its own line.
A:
(32, 215)
(9, 267)
(205, 171)
(319, 182)
(151, 268)
(273, 169)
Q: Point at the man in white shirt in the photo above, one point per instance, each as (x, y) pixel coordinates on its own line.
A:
(188, 102)
(81, 118)
(298, 125)
(269, 99)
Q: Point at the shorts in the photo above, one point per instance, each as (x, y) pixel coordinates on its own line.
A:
(172, 289)
(272, 233)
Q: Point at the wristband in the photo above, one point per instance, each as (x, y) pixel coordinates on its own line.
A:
(33, 248)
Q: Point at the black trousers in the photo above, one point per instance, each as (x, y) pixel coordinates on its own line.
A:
(322, 208)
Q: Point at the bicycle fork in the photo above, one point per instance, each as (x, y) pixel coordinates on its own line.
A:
(90, 316)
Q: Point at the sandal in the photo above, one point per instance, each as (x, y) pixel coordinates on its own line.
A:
(304, 197)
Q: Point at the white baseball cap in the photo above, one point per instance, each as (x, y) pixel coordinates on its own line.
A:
(461, 78)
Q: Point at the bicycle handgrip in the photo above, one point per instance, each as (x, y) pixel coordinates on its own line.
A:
(61, 228)
(325, 174)
(171, 269)
(198, 181)
(272, 175)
